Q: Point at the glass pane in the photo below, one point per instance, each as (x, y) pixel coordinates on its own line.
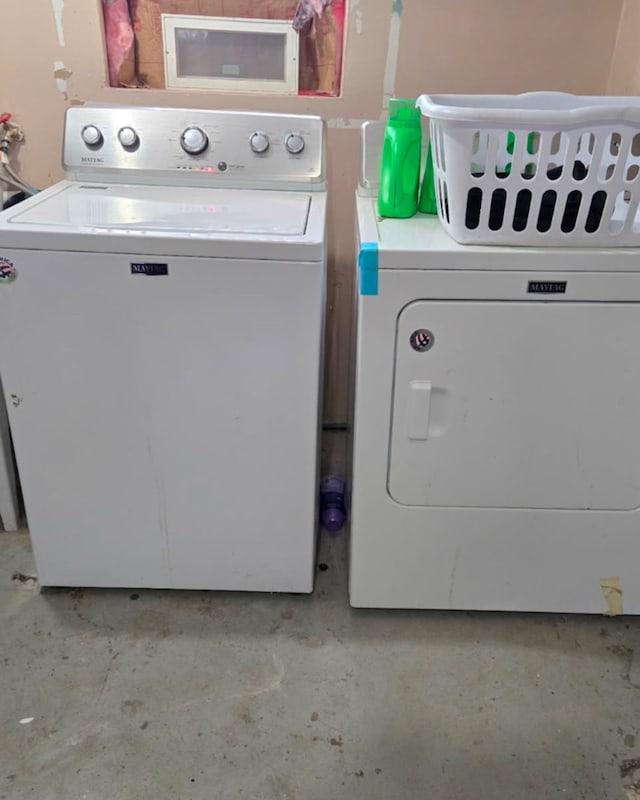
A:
(230, 54)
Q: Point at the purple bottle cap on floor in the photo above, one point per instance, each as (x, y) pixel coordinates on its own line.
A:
(333, 519)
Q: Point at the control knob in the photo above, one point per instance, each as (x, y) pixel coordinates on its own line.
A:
(91, 136)
(259, 142)
(294, 143)
(128, 137)
(194, 141)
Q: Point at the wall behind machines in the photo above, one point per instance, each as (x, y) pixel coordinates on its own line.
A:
(624, 77)
(52, 56)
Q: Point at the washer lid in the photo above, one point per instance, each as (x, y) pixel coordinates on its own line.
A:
(186, 210)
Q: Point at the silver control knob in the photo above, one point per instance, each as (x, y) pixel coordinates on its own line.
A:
(91, 135)
(128, 137)
(294, 143)
(194, 141)
(259, 142)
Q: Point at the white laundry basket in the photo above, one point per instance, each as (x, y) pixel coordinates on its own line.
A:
(538, 169)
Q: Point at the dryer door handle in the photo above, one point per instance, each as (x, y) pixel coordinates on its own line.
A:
(418, 410)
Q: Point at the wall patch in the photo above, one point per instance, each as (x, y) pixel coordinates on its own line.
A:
(58, 6)
(393, 48)
(61, 74)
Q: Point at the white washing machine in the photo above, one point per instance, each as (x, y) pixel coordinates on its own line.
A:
(161, 328)
(8, 489)
(496, 437)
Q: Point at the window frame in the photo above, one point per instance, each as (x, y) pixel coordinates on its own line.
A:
(172, 22)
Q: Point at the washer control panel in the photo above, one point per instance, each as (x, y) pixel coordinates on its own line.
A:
(193, 146)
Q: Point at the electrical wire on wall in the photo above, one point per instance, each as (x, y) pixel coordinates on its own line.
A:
(10, 133)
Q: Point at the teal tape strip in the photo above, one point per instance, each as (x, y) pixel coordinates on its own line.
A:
(368, 263)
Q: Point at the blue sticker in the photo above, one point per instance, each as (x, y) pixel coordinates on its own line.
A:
(368, 263)
(8, 272)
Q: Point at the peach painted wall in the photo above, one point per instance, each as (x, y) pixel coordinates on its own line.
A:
(507, 45)
(52, 56)
(624, 77)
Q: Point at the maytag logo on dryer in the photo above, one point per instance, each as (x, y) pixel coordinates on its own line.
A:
(547, 287)
(92, 160)
(150, 268)
(8, 272)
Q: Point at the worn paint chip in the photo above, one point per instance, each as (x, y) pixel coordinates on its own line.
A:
(58, 6)
(612, 593)
(342, 122)
(393, 49)
(61, 73)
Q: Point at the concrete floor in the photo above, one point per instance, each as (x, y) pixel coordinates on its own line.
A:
(213, 696)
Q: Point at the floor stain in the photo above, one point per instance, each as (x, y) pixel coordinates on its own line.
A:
(312, 641)
(630, 740)
(629, 766)
(131, 706)
(314, 716)
(626, 654)
(20, 577)
(155, 623)
(620, 650)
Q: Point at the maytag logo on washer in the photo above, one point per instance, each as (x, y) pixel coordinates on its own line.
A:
(547, 287)
(8, 273)
(149, 268)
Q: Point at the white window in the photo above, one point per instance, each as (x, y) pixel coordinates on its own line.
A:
(230, 54)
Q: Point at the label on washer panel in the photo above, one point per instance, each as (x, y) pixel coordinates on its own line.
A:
(149, 268)
(8, 273)
(546, 287)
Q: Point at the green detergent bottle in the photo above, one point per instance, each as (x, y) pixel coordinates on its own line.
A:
(400, 167)
(428, 203)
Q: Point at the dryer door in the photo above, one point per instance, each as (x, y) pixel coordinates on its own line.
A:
(517, 405)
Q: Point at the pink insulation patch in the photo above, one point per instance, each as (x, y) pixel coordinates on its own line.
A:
(119, 36)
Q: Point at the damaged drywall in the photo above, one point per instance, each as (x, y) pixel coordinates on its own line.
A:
(61, 75)
(393, 49)
(358, 16)
(58, 8)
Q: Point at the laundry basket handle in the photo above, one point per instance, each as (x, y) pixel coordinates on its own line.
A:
(529, 109)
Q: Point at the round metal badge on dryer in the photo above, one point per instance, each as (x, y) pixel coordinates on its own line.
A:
(8, 272)
(422, 340)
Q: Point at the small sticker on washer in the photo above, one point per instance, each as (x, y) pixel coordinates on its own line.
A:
(149, 268)
(8, 272)
(547, 287)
